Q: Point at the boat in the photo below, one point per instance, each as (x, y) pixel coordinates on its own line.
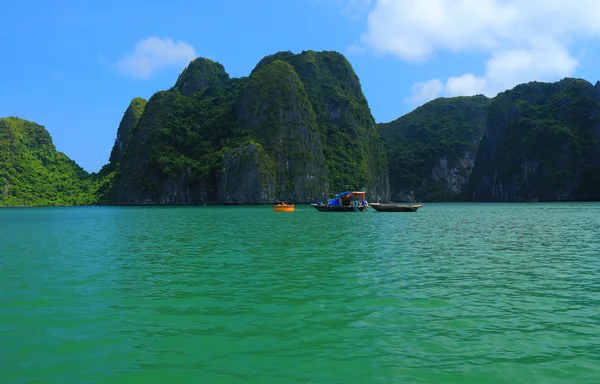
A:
(283, 207)
(344, 202)
(395, 207)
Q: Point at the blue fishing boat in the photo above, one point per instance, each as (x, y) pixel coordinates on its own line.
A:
(344, 202)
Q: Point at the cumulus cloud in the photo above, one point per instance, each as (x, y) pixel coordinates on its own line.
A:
(153, 54)
(525, 40)
(503, 71)
(467, 84)
(422, 92)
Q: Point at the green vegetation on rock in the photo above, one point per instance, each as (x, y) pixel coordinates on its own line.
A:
(130, 118)
(542, 143)
(353, 151)
(538, 141)
(235, 185)
(307, 112)
(275, 111)
(299, 128)
(199, 75)
(175, 147)
(34, 173)
(432, 149)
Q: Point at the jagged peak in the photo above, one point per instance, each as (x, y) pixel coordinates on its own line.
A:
(136, 106)
(275, 66)
(200, 74)
(281, 55)
(130, 118)
(137, 100)
(276, 80)
(309, 55)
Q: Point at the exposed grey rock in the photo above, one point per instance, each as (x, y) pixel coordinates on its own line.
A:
(246, 176)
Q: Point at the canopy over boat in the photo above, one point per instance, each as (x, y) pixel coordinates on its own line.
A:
(344, 201)
(346, 198)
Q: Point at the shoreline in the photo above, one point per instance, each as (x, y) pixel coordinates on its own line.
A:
(290, 202)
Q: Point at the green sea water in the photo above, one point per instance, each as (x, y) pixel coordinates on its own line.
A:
(454, 293)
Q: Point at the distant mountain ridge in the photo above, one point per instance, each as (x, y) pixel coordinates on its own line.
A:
(33, 172)
(542, 143)
(431, 151)
(299, 128)
(535, 142)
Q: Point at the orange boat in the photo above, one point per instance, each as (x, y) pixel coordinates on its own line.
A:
(283, 207)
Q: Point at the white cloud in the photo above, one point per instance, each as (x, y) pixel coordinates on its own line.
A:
(153, 54)
(525, 40)
(540, 62)
(505, 70)
(413, 30)
(422, 92)
(467, 84)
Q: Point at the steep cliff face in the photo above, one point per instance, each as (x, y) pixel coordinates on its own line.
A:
(294, 130)
(129, 120)
(353, 152)
(542, 143)
(431, 151)
(247, 175)
(276, 112)
(172, 151)
(33, 172)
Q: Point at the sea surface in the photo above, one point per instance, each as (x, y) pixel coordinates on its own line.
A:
(453, 293)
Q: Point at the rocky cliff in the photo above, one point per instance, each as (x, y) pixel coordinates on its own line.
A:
(352, 148)
(536, 142)
(130, 118)
(297, 129)
(275, 111)
(542, 143)
(431, 151)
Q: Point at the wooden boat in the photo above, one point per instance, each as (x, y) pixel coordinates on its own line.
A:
(344, 202)
(283, 207)
(395, 207)
(339, 208)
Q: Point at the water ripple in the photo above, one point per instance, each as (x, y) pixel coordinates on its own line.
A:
(494, 293)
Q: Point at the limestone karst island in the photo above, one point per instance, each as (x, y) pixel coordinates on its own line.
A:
(298, 126)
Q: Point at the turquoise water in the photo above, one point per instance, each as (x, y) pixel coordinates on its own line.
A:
(454, 293)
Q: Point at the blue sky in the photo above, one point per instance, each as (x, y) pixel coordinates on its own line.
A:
(73, 66)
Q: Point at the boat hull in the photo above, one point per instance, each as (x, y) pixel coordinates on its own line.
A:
(283, 208)
(338, 208)
(395, 207)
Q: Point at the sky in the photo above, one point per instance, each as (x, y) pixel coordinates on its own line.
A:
(73, 66)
